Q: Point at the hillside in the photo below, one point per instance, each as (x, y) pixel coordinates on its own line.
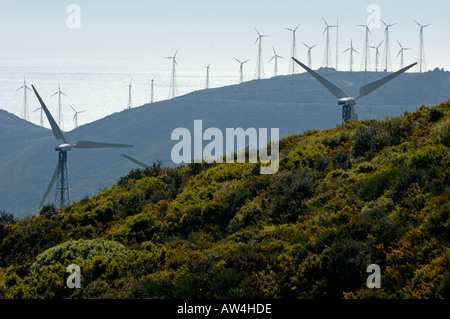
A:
(370, 192)
(294, 104)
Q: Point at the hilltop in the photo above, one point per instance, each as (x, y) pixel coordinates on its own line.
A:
(294, 104)
(369, 192)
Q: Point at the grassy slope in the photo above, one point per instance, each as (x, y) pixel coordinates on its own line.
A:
(363, 193)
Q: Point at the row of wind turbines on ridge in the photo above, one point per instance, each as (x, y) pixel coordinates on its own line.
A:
(60, 93)
(383, 64)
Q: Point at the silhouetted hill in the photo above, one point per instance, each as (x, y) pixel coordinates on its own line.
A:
(293, 104)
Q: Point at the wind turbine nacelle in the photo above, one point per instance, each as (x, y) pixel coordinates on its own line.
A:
(347, 101)
(63, 147)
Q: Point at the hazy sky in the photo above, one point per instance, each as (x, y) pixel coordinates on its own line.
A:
(142, 32)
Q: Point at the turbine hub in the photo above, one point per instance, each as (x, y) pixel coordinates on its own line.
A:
(347, 101)
(63, 147)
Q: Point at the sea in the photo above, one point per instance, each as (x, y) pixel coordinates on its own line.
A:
(96, 91)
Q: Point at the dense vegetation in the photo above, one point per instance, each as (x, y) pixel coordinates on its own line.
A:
(371, 192)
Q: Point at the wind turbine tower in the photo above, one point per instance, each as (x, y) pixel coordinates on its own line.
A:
(387, 53)
(24, 107)
(351, 49)
(60, 93)
(365, 63)
(241, 69)
(75, 117)
(337, 45)
(259, 61)
(151, 91)
(309, 54)
(173, 83)
(327, 53)
(377, 55)
(275, 58)
(292, 65)
(400, 52)
(207, 76)
(130, 101)
(421, 54)
(41, 121)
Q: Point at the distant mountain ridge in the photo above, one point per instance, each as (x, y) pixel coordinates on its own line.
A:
(294, 104)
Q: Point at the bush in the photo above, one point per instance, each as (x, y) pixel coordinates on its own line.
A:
(67, 252)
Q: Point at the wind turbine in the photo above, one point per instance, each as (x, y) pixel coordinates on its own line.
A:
(365, 63)
(275, 58)
(351, 49)
(259, 61)
(292, 65)
(24, 107)
(130, 104)
(59, 92)
(309, 54)
(60, 174)
(387, 53)
(401, 53)
(241, 69)
(377, 54)
(337, 43)
(347, 102)
(207, 76)
(151, 90)
(421, 54)
(75, 117)
(41, 121)
(327, 54)
(173, 83)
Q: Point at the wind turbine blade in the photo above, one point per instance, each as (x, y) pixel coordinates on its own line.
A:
(246, 61)
(20, 88)
(305, 45)
(237, 60)
(368, 88)
(88, 144)
(337, 92)
(73, 108)
(135, 161)
(175, 53)
(271, 58)
(55, 128)
(289, 29)
(418, 23)
(426, 25)
(54, 94)
(257, 31)
(296, 27)
(54, 177)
